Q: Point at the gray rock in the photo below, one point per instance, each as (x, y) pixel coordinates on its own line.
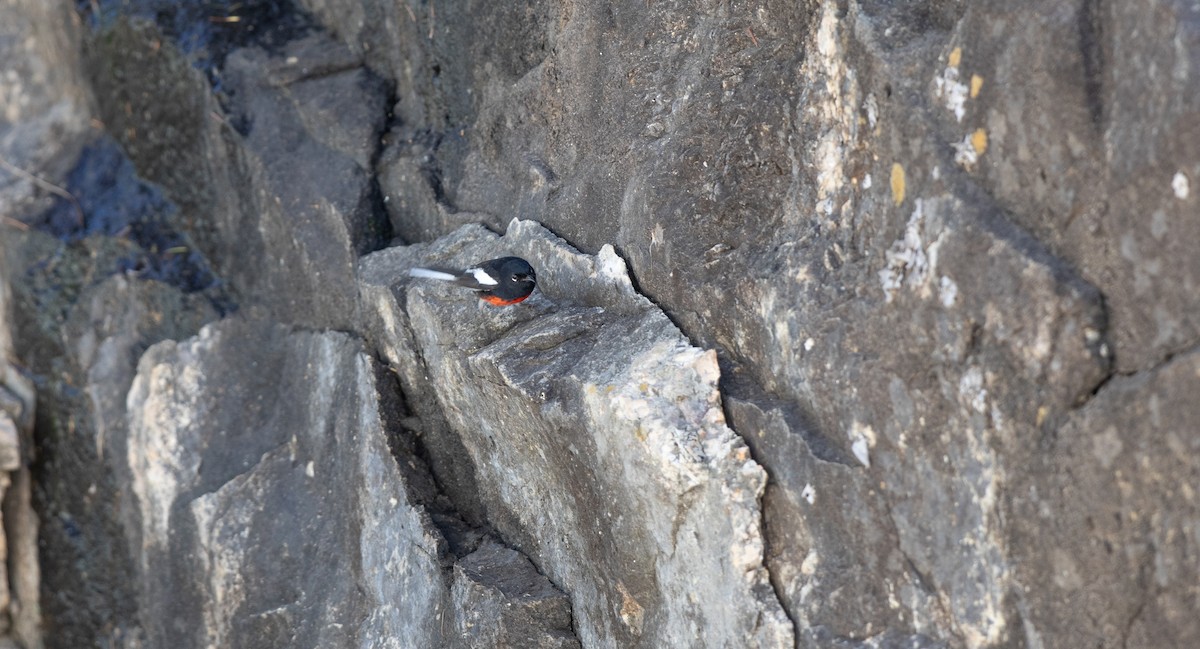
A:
(940, 253)
(911, 246)
(10, 441)
(597, 440)
(20, 613)
(45, 102)
(1104, 174)
(279, 174)
(1120, 476)
(411, 198)
(502, 601)
(281, 518)
(270, 511)
(80, 462)
(20, 569)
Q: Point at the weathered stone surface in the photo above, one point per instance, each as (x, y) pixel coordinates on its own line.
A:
(1112, 504)
(1092, 147)
(279, 173)
(597, 440)
(912, 243)
(502, 601)
(81, 437)
(14, 442)
(835, 566)
(45, 104)
(45, 108)
(270, 510)
(944, 254)
(20, 570)
(10, 442)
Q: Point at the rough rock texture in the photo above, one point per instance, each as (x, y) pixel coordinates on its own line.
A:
(903, 356)
(20, 610)
(267, 524)
(487, 584)
(44, 101)
(279, 173)
(1123, 472)
(591, 404)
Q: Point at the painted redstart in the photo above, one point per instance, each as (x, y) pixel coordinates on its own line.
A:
(500, 282)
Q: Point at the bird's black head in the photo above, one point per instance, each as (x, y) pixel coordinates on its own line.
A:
(516, 270)
(513, 280)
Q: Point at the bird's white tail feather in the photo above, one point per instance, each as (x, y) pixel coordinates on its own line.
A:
(431, 274)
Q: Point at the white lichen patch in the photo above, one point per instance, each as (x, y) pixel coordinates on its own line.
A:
(948, 292)
(964, 153)
(972, 146)
(1107, 446)
(951, 91)
(811, 562)
(1179, 184)
(862, 438)
(971, 391)
(910, 261)
(871, 108)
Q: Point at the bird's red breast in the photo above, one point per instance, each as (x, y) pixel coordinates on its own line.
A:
(495, 300)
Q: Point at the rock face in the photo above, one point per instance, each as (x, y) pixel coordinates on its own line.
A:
(590, 403)
(859, 324)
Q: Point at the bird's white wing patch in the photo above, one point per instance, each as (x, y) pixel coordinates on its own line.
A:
(482, 277)
(431, 274)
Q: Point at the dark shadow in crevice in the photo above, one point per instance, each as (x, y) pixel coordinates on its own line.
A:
(403, 432)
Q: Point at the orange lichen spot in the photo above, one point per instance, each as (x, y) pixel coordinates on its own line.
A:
(979, 141)
(632, 613)
(898, 183)
(976, 85)
(955, 57)
(640, 434)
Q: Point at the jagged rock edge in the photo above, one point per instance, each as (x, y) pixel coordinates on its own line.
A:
(392, 427)
(614, 271)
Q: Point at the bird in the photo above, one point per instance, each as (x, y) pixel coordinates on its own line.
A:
(500, 282)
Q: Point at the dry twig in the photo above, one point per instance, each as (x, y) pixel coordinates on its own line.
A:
(46, 185)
